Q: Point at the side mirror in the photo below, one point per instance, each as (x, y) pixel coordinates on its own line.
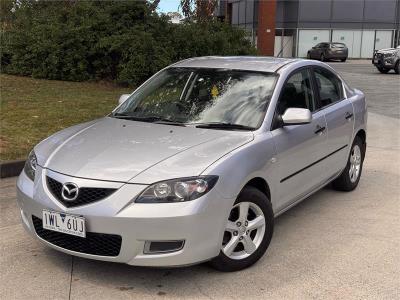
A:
(296, 116)
(122, 98)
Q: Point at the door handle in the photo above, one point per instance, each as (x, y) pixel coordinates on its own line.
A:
(348, 115)
(319, 130)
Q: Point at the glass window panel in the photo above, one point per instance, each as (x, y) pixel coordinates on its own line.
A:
(297, 92)
(329, 86)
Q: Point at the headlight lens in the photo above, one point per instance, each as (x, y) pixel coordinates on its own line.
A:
(177, 190)
(390, 54)
(30, 165)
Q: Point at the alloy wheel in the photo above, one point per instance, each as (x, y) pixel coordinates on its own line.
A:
(244, 231)
(355, 163)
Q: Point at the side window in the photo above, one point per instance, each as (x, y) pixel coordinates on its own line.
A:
(329, 86)
(297, 92)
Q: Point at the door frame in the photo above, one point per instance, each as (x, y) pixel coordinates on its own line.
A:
(275, 121)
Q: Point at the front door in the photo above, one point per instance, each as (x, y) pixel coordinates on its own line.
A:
(299, 148)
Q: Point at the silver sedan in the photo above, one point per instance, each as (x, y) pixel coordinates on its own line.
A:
(196, 163)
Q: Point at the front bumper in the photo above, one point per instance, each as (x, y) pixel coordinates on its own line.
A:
(380, 61)
(199, 223)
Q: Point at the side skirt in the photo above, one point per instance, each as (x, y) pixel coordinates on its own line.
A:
(329, 180)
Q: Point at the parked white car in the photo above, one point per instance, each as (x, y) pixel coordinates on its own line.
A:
(387, 59)
(195, 164)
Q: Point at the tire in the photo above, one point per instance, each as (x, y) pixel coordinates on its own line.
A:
(236, 235)
(383, 70)
(343, 59)
(348, 180)
(322, 58)
(397, 67)
(308, 55)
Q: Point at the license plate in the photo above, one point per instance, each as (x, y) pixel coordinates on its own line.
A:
(376, 60)
(60, 222)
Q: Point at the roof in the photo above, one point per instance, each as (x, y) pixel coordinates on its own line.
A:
(250, 63)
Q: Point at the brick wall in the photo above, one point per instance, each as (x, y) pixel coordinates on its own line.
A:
(266, 27)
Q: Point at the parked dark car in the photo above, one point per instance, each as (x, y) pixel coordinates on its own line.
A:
(328, 51)
(387, 59)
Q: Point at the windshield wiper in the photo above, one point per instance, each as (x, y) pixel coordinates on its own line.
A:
(151, 119)
(223, 125)
(169, 122)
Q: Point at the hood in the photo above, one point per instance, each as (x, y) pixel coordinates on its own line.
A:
(119, 150)
(387, 50)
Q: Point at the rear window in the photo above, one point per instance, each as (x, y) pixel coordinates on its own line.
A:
(337, 45)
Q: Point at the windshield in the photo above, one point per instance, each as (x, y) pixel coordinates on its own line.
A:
(194, 96)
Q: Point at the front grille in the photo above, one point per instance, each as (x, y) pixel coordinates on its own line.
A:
(86, 195)
(94, 243)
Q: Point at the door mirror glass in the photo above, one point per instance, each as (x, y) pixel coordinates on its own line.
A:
(122, 98)
(296, 116)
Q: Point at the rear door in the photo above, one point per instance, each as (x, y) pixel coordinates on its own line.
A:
(299, 147)
(338, 111)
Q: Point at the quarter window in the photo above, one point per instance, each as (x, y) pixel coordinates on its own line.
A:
(329, 87)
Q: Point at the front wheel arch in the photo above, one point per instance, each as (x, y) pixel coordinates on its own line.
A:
(261, 184)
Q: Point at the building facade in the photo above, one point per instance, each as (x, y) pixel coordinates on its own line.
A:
(289, 28)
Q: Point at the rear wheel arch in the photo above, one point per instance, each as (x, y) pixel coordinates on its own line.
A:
(363, 136)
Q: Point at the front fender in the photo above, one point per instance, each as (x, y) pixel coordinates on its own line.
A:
(255, 159)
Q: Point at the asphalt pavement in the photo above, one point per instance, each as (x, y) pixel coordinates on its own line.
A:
(382, 90)
(332, 245)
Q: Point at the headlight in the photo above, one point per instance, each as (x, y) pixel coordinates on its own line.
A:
(30, 165)
(177, 190)
(390, 54)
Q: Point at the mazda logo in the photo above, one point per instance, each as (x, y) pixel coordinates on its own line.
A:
(69, 191)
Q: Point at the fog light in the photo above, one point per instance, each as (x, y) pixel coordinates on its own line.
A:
(155, 247)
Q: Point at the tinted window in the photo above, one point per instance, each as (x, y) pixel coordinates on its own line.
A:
(297, 92)
(329, 86)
